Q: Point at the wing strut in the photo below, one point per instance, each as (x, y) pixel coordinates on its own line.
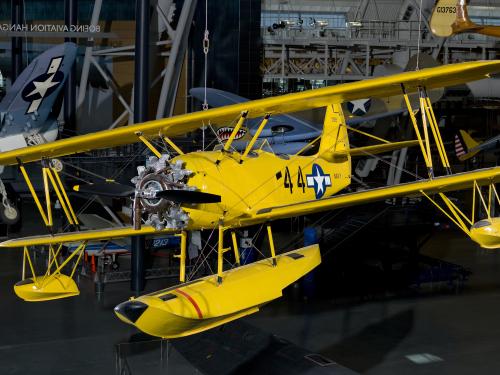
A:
(148, 144)
(428, 121)
(221, 249)
(53, 284)
(50, 175)
(425, 102)
(182, 256)
(485, 231)
(427, 157)
(236, 129)
(255, 136)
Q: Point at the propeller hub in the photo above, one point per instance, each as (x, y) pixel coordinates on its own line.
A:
(159, 175)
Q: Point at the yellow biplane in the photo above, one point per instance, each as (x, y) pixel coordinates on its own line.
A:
(224, 189)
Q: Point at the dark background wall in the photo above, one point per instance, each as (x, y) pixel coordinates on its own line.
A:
(235, 49)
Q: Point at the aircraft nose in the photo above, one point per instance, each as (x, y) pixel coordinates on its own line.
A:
(130, 311)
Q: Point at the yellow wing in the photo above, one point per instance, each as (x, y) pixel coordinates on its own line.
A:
(442, 76)
(459, 181)
(89, 235)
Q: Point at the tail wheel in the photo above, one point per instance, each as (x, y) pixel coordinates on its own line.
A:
(10, 214)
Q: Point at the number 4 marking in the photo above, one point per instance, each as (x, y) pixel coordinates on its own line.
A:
(288, 180)
(300, 180)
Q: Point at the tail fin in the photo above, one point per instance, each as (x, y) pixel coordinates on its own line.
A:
(28, 103)
(334, 145)
(450, 17)
(464, 144)
(334, 139)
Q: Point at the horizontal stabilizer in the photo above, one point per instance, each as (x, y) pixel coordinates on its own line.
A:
(377, 149)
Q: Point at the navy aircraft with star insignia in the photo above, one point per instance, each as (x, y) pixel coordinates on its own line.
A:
(30, 108)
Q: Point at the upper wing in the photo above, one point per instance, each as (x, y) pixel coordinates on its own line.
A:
(88, 235)
(441, 76)
(457, 181)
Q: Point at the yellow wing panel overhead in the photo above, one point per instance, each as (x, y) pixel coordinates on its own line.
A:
(89, 235)
(459, 181)
(442, 76)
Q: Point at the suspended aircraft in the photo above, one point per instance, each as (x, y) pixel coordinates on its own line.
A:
(223, 190)
(451, 17)
(29, 110)
(467, 147)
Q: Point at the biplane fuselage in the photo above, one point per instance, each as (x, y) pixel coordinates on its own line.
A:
(261, 180)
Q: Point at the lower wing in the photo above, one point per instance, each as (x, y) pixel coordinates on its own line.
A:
(88, 235)
(459, 181)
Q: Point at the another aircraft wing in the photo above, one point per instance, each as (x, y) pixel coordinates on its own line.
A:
(219, 98)
(441, 76)
(90, 235)
(454, 182)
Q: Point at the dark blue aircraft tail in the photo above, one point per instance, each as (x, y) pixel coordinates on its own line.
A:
(27, 108)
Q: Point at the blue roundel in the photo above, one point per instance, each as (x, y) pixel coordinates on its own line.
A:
(318, 180)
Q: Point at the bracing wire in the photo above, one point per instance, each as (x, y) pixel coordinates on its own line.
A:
(25, 35)
(419, 36)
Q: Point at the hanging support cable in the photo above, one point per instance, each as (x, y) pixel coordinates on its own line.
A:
(206, 49)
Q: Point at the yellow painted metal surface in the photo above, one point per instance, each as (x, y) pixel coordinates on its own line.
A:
(486, 233)
(470, 143)
(203, 304)
(457, 181)
(247, 200)
(46, 288)
(82, 236)
(442, 76)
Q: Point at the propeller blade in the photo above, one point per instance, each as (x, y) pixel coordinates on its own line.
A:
(107, 189)
(186, 196)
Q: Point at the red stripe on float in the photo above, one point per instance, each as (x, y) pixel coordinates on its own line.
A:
(193, 302)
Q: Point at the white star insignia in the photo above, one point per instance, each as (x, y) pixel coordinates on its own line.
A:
(320, 180)
(359, 104)
(42, 87)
